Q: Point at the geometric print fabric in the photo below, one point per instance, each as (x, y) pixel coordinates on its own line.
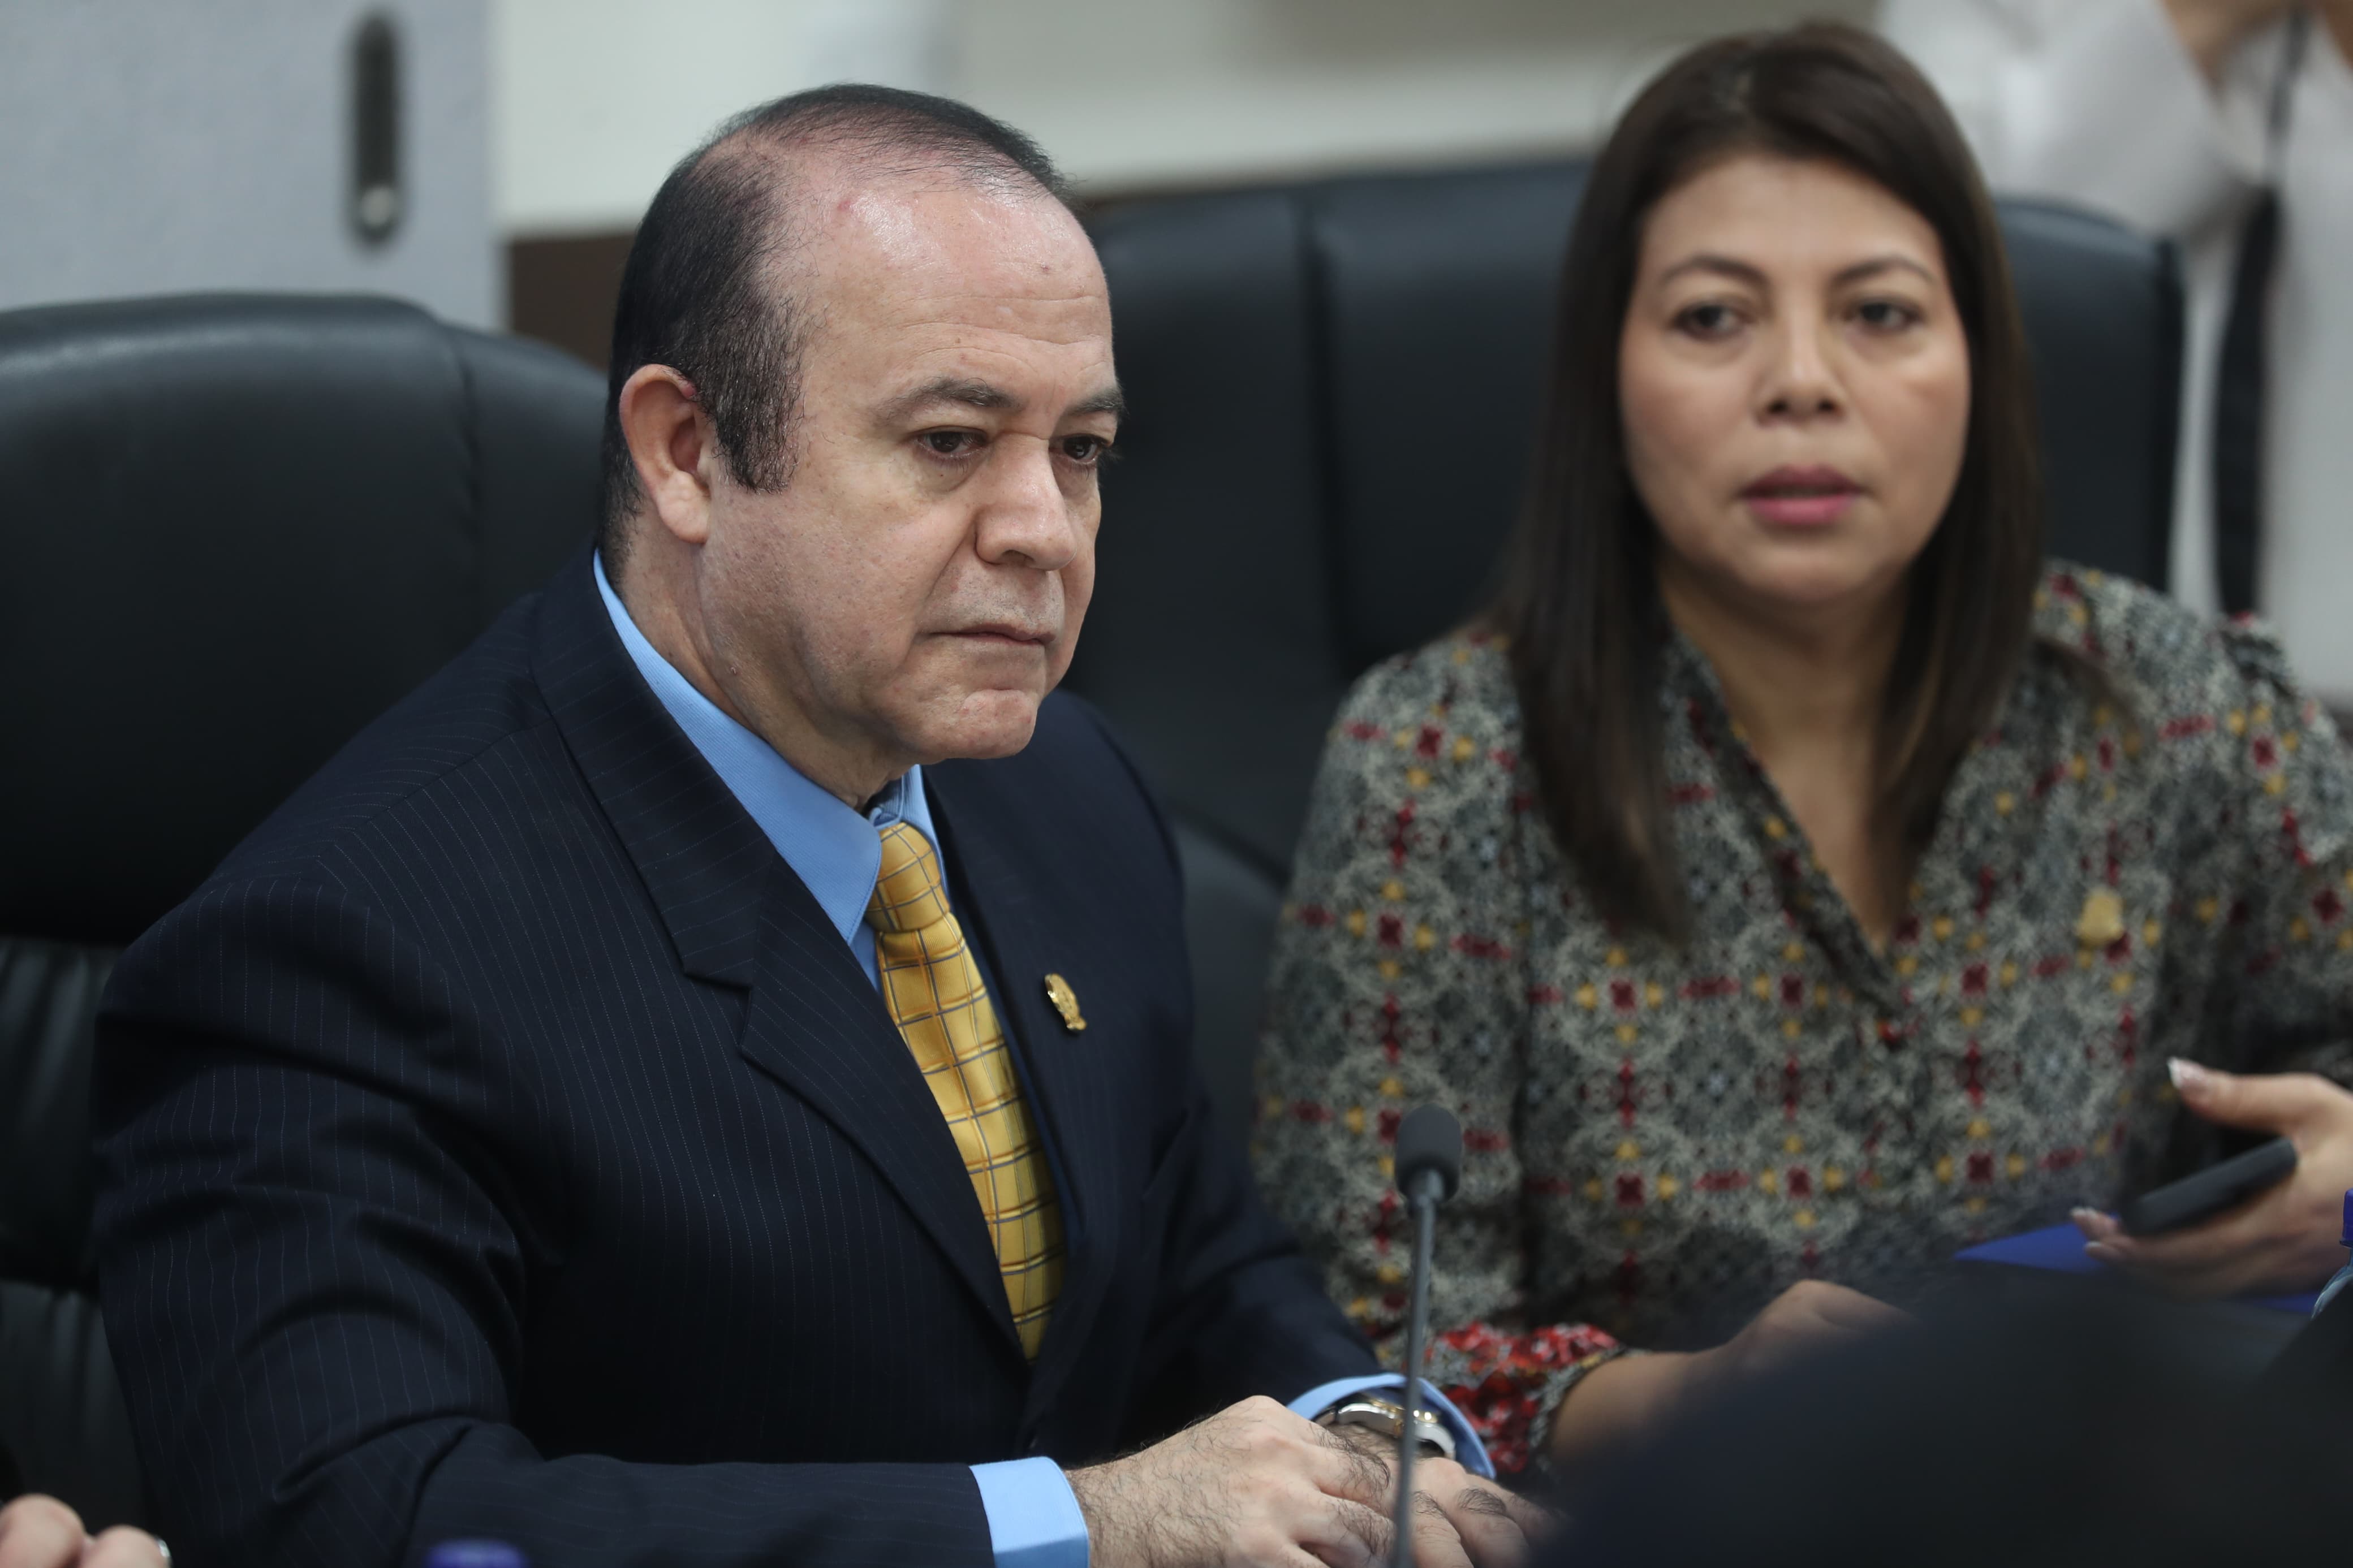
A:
(935, 993)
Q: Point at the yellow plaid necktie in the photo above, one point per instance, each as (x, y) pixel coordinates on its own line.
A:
(933, 990)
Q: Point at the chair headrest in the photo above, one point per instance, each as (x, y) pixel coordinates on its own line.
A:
(237, 529)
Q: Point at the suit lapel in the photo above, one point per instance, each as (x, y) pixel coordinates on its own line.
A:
(739, 917)
(818, 1028)
(1066, 1076)
(703, 859)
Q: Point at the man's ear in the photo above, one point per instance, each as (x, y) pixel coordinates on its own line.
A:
(673, 447)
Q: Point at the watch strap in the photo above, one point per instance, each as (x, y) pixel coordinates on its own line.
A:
(1387, 1416)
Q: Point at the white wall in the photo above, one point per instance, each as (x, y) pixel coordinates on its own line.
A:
(1133, 93)
(597, 97)
(160, 145)
(154, 145)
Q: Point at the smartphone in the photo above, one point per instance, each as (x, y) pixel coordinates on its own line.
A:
(2210, 1191)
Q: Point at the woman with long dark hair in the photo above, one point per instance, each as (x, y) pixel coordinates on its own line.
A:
(1792, 877)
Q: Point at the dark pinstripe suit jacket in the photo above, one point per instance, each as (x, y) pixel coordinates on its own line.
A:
(502, 1142)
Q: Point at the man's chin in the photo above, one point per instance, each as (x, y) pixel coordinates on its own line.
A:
(986, 724)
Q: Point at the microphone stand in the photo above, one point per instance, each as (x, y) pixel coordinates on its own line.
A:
(1423, 1200)
(1429, 1164)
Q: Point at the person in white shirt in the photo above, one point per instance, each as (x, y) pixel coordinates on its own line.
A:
(2176, 116)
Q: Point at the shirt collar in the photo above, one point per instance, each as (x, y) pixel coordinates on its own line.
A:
(834, 849)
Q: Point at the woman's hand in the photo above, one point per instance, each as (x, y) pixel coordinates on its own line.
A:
(2282, 1239)
(1625, 1399)
(42, 1533)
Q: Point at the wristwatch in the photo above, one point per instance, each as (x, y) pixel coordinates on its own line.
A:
(1387, 1416)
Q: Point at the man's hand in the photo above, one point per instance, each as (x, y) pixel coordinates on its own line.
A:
(1257, 1485)
(2280, 1240)
(1458, 1514)
(42, 1533)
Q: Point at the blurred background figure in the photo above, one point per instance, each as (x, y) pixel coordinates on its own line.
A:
(2079, 1430)
(2226, 125)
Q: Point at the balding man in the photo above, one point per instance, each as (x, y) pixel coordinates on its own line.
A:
(705, 1080)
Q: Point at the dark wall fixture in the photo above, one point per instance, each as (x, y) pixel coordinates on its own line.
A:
(376, 201)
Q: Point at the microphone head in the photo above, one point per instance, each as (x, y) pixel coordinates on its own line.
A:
(1430, 1144)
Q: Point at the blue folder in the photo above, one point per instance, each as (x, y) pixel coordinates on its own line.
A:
(2059, 1248)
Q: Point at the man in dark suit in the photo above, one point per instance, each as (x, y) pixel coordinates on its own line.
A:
(705, 1080)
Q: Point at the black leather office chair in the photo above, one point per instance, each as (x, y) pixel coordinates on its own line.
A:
(236, 529)
(1334, 389)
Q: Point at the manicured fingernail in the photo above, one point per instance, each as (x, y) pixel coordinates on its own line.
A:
(2104, 1252)
(2186, 1073)
(2086, 1218)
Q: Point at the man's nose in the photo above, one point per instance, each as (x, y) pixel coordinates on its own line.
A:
(1800, 380)
(1024, 518)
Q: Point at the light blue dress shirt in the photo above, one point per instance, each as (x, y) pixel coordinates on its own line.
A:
(836, 852)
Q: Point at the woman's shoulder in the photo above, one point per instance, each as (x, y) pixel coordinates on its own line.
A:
(2215, 710)
(2170, 660)
(1437, 726)
(1460, 685)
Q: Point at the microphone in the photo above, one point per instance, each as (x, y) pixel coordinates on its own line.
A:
(1429, 1164)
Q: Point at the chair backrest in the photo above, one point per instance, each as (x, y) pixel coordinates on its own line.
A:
(1332, 390)
(238, 528)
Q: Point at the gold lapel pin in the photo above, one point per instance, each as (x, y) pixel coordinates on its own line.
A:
(1066, 1003)
(2103, 920)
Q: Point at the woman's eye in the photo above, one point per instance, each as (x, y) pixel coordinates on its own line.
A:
(1886, 315)
(1709, 319)
(949, 443)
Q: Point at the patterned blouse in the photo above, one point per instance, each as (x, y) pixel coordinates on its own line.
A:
(1658, 1141)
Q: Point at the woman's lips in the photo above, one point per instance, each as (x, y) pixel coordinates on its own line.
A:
(1800, 497)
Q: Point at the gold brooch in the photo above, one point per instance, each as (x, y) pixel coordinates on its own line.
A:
(1066, 1003)
(2103, 920)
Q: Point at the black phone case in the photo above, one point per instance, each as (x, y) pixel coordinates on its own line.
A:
(2209, 1190)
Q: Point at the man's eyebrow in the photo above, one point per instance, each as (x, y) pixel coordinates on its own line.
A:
(974, 393)
(1110, 400)
(1732, 267)
(960, 389)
